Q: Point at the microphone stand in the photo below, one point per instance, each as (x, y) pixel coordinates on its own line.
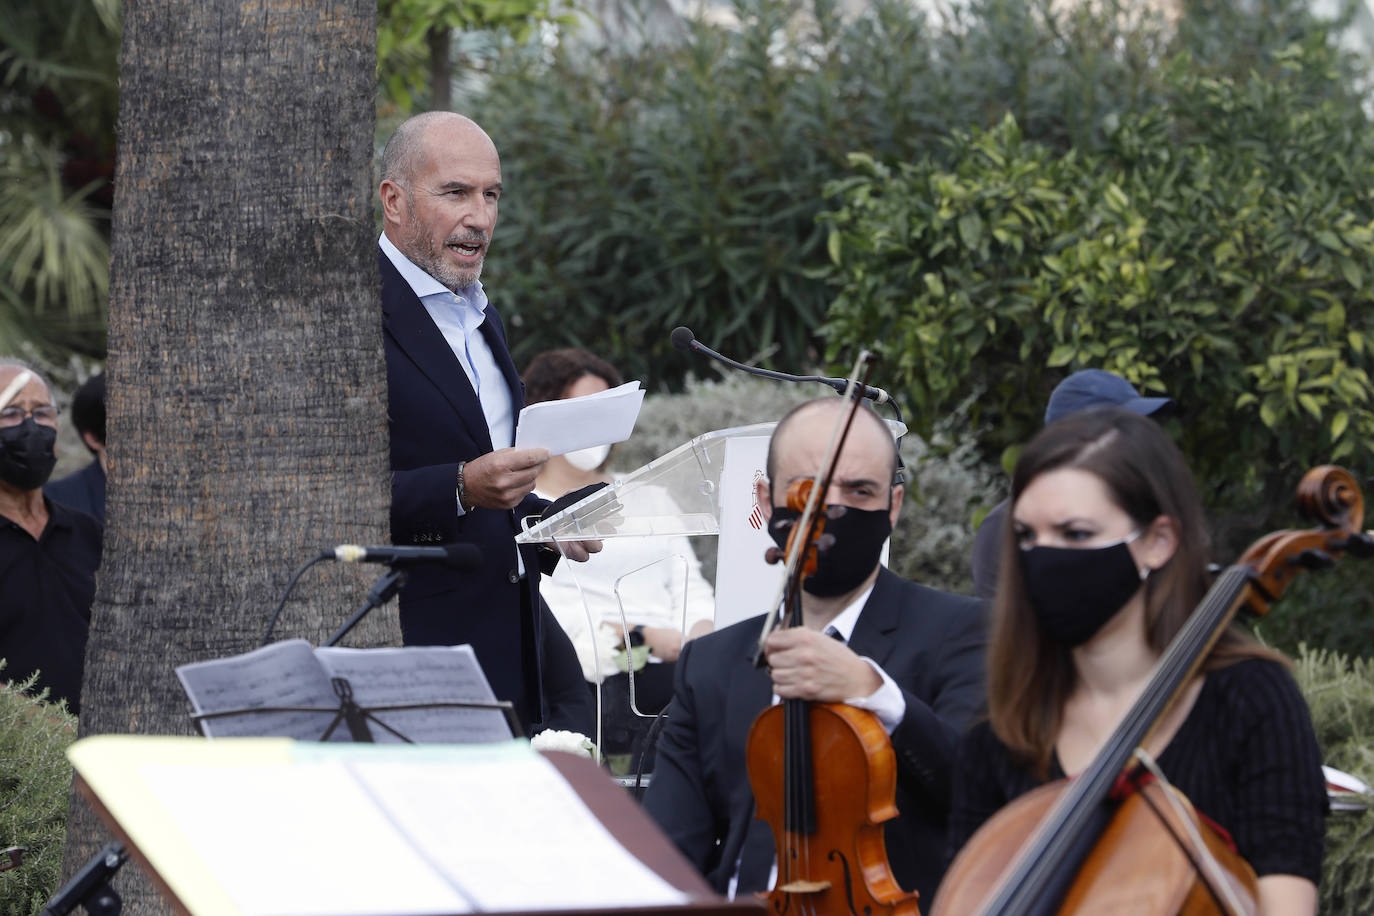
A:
(382, 591)
(90, 887)
(683, 339)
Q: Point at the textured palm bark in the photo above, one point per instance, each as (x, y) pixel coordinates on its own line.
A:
(247, 409)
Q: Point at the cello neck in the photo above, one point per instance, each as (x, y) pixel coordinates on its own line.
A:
(1049, 861)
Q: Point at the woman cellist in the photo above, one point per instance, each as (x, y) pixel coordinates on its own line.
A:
(1105, 559)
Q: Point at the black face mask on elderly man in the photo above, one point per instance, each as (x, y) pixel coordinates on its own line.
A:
(858, 534)
(26, 454)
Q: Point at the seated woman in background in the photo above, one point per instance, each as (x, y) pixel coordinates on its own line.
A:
(654, 586)
(1105, 560)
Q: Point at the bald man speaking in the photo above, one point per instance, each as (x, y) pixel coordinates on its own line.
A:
(454, 398)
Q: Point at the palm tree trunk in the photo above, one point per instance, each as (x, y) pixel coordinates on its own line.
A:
(247, 396)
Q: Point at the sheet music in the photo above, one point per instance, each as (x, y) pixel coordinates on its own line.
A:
(292, 673)
(569, 424)
(282, 674)
(420, 674)
(510, 832)
(284, 841)
(269, 826)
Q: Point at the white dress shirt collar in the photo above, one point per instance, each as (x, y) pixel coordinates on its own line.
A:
(845, 621)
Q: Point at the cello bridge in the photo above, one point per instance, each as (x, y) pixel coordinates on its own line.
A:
(804, 887)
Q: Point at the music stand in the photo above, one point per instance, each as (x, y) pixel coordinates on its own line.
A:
(356, 717)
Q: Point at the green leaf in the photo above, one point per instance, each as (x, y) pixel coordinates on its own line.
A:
(1328, 239)
(1339, 423)
(971, 230)
(1268, 415)
(1062, 355)
(1352, 273)
(1311, 404)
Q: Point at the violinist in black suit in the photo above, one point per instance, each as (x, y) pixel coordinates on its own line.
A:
(454, 398)
(908, 653)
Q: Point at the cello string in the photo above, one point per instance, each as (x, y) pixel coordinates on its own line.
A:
(1203, 860)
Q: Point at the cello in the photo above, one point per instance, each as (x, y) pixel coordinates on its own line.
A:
(824, 775)
(1106, 838)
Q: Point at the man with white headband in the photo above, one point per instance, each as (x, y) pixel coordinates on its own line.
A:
(48, 553)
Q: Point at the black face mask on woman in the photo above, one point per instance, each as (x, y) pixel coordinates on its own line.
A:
(26, 454)
(842, 567)
(1074, 591)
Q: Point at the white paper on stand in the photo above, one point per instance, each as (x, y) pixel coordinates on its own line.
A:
(570, 424)
(269, 827)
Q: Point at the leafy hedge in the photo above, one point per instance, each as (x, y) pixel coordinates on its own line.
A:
(657, 184)
(35, 779)
(1340, 694)
(1218, 248)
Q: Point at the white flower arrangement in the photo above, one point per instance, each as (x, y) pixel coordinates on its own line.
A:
(564, 741)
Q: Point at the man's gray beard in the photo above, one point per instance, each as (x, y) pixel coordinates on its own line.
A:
(420, 249)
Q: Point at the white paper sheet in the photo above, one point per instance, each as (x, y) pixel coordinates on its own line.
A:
(296, 840)
(513, 834)
(569, 424)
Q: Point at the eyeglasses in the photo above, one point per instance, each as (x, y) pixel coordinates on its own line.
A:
(45, 414)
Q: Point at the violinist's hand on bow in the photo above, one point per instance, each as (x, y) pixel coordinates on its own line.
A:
(807, 665)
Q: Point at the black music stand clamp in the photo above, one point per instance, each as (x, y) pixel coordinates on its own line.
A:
(90, 887)
(382, 591)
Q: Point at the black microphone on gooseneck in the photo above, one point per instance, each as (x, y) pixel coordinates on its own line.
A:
(457, 556)
(683, 339)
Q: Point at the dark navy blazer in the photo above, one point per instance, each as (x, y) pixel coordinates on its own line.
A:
(929, 642)
(437, 421)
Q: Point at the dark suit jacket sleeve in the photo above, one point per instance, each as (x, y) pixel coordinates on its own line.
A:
(677, 797)
(927, 737)
(424, 503)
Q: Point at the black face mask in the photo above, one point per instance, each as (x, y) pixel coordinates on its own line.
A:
(844, 565)
(1075, 591)
(26, 454)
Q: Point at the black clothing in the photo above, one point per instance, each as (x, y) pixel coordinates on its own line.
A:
(46, 589)
(1246, 757)
(623, 731)
(930, 643)
(83, 491)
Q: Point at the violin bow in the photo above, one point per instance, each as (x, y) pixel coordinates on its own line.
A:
(819, 484)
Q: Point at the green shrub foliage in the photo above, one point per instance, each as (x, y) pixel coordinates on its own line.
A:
(1218, 247)
(1340, 693)
(652, 185)
(35, 779)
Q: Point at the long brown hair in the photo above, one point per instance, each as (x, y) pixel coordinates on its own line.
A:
(1030, 677)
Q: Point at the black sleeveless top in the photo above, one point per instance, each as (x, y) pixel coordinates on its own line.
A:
(1246, 757)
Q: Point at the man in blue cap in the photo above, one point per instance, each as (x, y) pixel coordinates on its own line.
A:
(1084, 390)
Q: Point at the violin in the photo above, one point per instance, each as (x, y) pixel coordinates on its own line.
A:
(1108, 838)
(824, 775)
